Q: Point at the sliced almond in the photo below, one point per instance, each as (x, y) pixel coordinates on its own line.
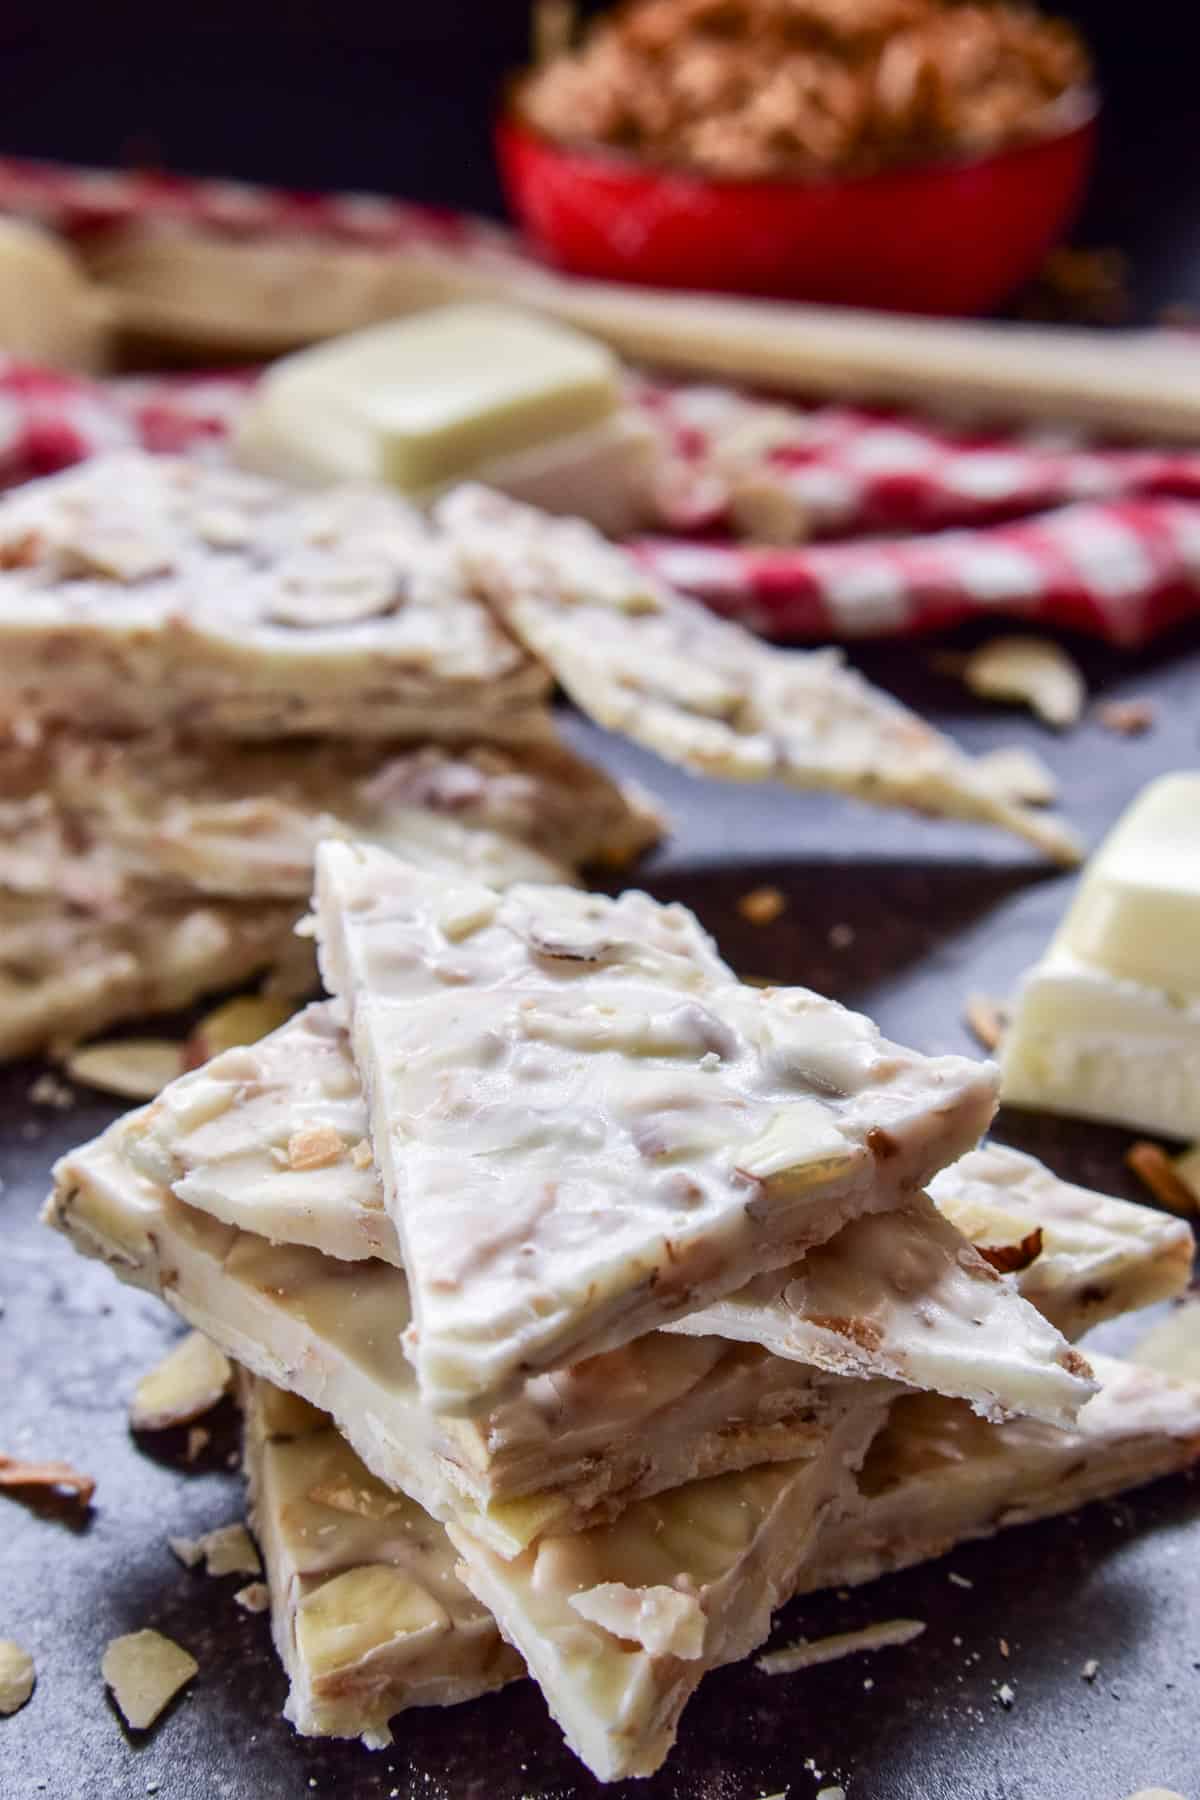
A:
(361, 1610)
(314, 1147)
(1018, 774)
(145, 1671)
(238, 1022)
(229, 1550)
(1151, 1164)
(987, 1018)
(17, 1676)
(1010, 1259)
(186, 1384)
(58, 1476)
(806, 1655)
(134, 1068)
(1032, 671)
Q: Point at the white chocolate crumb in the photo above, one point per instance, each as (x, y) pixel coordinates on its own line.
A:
(145, 1670)
(1005, 1695)
(1090, 1669)
(959, 1581)
(17, 1677)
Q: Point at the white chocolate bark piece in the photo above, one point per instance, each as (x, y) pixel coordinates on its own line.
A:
(619, 1624)
(368, 1613)
(1107, 1025)
(641, 659)
(66, 974)
(480, 391)
(1098, 1257)
(584, 1126)
(92, 819)
(905, 1295)
(573, 1447)
(937, 1475)
(140, 591)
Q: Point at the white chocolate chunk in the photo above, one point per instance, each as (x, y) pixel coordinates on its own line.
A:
(333, 612)
(367, 1612)
(229, 1550)
(937, 1476)
(641, 659)
(904, 1295)
(17, 1677)
(145, 1671)
(187, 1383)
(561, 1088)
(617, 1668)
(573, 1446)
(1107, 1025)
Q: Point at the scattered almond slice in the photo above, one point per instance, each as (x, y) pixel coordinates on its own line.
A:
(237, 1022)
(805, 1655)
(255, 1597)
(1019, 774)
(1151, 1164)
(17, 1676)
(55, 1475)
(987, 1019)
(229, 1550)
(1187, 1170)
(762, 905)
(1129, 718)
(1032, 671)
(145, 1670)
(1010, 1259)
(134, 1068)
(185, 1385)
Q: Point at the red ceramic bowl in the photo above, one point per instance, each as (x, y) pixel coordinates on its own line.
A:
(951, 237)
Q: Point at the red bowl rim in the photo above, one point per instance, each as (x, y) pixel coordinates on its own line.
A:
(1073, 113)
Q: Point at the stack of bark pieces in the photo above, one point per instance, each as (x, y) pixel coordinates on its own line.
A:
(621, 1294)
(204, 672)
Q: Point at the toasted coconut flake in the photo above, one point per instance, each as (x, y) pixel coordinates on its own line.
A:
(1010, 1259)
(314, 1147)
(145, 1670)
(806, 1655)
(1018, 774)
(227, 1551)
(255, 1597)
(987, 1018)
(186, 1384)
(241, 1021)
(762, 905)
(59, 1476)
(133, 1068)
(1151, 1164)
(17, 1676)
(1032, 671)
(1129, 718)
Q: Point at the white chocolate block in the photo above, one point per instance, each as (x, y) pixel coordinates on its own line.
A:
(141, 591)
(937, 1476)
(584, 1126)
(644, 660)
(1107, 1025)
(619, 1624)
(571, 1448)
(368, 1615)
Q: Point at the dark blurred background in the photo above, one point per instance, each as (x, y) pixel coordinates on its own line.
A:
(397, 98)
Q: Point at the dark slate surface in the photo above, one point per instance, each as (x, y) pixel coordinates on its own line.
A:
(935, 910)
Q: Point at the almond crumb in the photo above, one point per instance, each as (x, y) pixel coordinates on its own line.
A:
(1010, 1259)
(198, 1440)
(361, 1156)
(314, 1147)
(227, 1551)
(1004, 1648)
(987, 1019)
(1151, 1164)
(1129, 718)
(255, 1597)
(762, 905)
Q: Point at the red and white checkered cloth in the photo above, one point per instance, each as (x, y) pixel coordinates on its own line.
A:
(917, 525)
